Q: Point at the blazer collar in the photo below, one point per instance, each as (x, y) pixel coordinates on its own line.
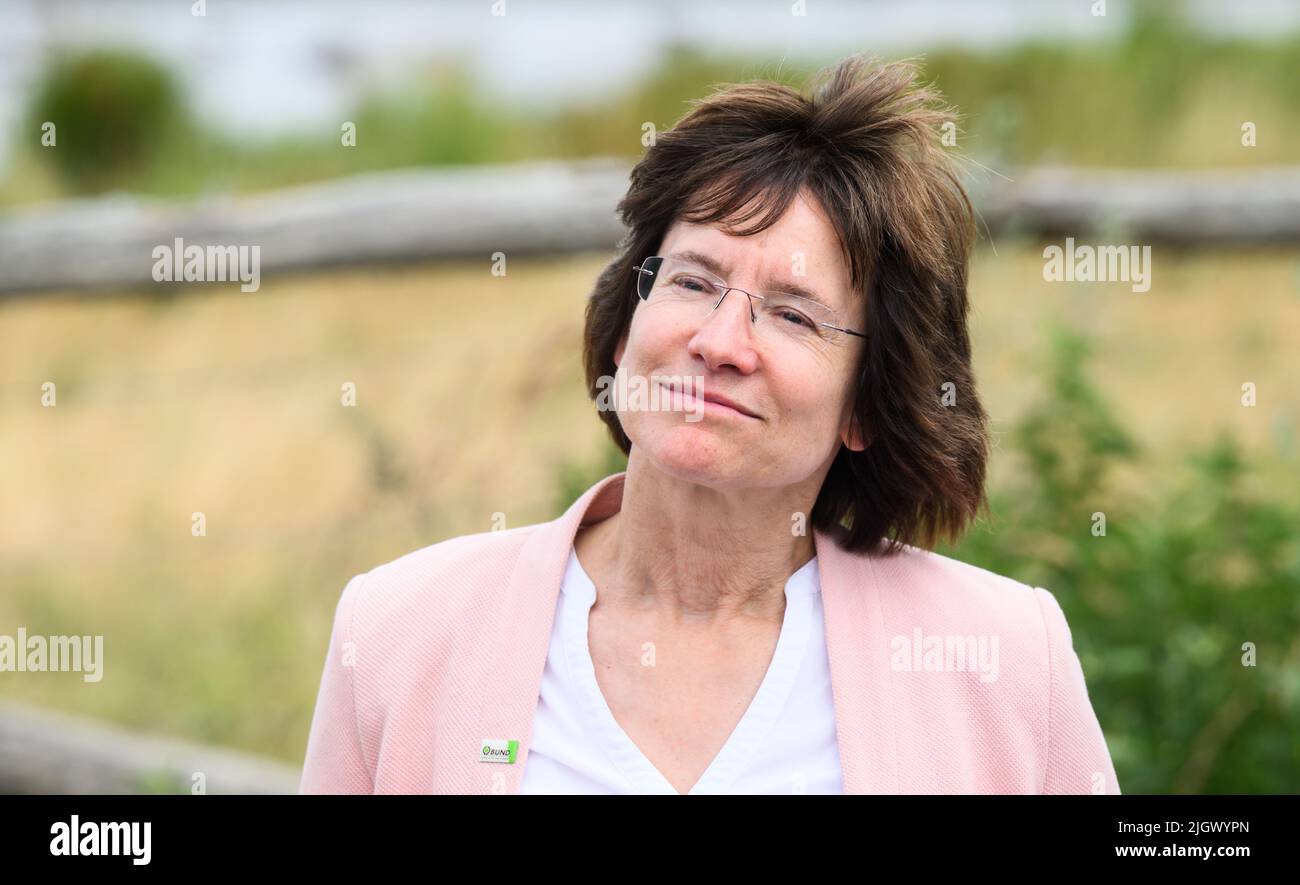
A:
(858, 654)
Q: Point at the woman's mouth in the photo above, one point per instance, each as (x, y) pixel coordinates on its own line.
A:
(711, 403)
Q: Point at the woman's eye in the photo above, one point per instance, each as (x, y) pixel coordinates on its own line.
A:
(693, 285)
(793, 316)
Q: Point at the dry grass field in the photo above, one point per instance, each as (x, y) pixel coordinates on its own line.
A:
(469, 398)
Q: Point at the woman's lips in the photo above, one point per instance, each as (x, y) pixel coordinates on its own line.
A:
(714, 404)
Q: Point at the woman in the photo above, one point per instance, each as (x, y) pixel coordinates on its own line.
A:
(751, 607)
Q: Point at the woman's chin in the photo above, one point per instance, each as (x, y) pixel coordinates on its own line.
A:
(692, 456)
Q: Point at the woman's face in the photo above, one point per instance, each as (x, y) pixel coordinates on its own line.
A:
(799, 393)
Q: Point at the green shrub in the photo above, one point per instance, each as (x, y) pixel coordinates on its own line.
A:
(1163, 604)
(113, 112)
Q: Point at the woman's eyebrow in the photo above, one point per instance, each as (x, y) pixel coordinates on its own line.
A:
(773, 284)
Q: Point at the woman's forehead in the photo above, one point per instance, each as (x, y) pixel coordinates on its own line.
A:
(803, 232)
(799, 252)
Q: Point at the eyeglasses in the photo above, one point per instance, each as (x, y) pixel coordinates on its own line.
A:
(780, 316)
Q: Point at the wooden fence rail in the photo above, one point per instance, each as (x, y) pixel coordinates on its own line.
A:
(43, 751)
(562, 206)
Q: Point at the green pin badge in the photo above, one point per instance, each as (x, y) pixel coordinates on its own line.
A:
(498, 751)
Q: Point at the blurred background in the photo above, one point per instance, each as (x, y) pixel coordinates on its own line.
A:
(432, 189)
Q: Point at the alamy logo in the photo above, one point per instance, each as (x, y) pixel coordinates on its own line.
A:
(34, 654)
(75, 838)
(212, 264)
(940, 653)
(1098, 264)
(621, 392)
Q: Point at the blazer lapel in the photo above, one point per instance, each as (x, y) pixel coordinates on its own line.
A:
(525, 615)
(859, 662)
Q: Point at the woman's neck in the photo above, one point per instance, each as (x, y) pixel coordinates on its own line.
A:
(693, 553)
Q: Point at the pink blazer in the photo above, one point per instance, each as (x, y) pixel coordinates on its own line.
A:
(442, 649)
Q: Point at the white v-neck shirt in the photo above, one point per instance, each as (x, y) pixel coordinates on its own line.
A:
(785, 742)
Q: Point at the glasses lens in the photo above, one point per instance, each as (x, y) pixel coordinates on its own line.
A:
(780, 317)
(794, 317)
(683, 281)
(647, 276)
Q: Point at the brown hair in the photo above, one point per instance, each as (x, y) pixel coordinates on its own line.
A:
(866, 144)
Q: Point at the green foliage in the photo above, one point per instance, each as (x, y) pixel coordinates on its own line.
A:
(576, 477)
(1153, 96)
(1162, 605)
(113, 111)
(160, 782)
(439, 121)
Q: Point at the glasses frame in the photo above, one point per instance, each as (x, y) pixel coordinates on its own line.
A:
(753, 318)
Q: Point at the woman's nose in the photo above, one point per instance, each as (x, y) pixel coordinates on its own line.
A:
(726, 337)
